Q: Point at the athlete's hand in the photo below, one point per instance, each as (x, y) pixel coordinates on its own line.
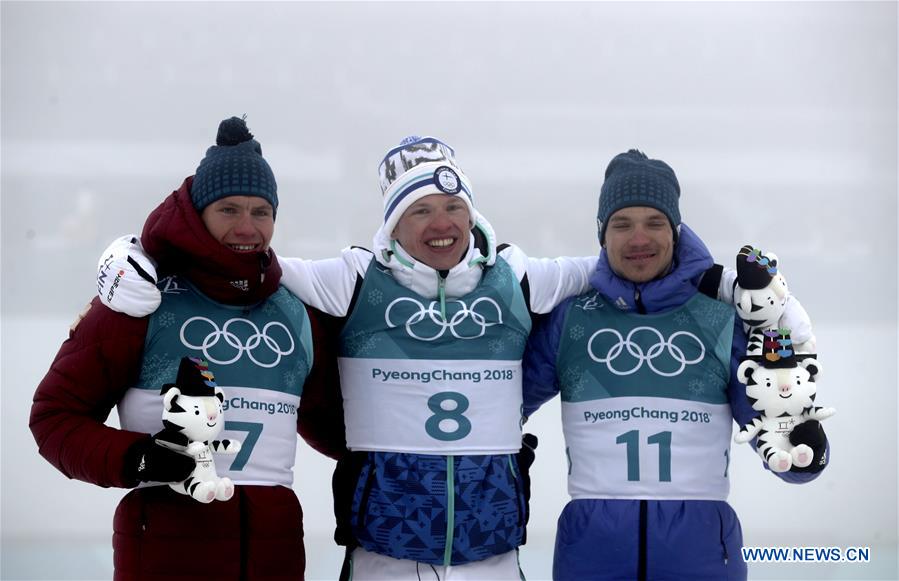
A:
(525, 458)
(126, 278)
(812, 435)
(147, 461)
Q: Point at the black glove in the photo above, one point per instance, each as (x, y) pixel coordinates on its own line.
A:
(812, 435)
(527, 454)
(344, 484)
(525, 459)
(147, 461)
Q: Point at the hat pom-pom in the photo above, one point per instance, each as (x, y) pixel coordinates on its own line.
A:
(409, 140)
(233, 131)
(636, 154)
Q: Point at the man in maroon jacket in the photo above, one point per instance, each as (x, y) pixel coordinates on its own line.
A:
(221, 302)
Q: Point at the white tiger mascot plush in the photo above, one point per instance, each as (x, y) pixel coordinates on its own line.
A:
(780, 383)
(781, 387)
(192, 416)
(760, 293)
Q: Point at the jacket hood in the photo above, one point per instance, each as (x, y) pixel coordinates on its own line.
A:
(425, 280)
(175, 236)
(691, 260)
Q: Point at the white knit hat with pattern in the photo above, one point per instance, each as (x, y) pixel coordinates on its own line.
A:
(419, 167)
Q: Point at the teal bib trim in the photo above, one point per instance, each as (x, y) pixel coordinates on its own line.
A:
(392, 322)
(679, 354)
(267, 345)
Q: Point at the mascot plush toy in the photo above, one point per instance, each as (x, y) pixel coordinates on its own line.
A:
(781, 387)
(760, 294)
(192, 417)
(780, 383)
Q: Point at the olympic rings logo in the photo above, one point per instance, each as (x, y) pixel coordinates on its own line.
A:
(254, 341)
(635, 351)
(437, 325)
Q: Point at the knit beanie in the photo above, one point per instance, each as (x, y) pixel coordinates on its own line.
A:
(194, 378)
(233, 167)
(419, 167)
(632, 179)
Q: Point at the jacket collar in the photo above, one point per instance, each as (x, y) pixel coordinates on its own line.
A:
(691, 260)
(175, 236)
(425, 280)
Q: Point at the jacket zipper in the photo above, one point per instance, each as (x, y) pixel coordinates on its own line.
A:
(641, 549)
(723, 542)
(143, 516)
(450, 511)
(450, 467)
(638, 301)
(441, 291)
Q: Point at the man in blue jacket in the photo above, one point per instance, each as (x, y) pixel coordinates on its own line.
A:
(646, 365)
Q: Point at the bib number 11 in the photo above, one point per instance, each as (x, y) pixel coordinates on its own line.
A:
(632, 440)
(443, 418)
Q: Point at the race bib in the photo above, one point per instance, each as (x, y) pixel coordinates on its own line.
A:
(644, 447)
(432, 406)
(265, 422)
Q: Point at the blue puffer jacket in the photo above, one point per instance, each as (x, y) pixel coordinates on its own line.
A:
(644, 538)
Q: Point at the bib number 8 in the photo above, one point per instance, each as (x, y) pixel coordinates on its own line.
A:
(433, 425)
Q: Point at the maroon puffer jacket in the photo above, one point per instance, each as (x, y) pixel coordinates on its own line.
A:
(158, 533)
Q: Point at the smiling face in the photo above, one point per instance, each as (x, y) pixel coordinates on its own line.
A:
(242, 223)
(435, 230)
(639, 243)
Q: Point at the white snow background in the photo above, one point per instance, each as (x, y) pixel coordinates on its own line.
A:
(780, 120)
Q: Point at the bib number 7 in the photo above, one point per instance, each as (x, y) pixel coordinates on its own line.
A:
(253, 430)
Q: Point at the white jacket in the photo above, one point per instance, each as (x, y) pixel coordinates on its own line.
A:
(328, 285)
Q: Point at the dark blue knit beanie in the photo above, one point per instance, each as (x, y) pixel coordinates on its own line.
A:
(233, 167)
(632, 179)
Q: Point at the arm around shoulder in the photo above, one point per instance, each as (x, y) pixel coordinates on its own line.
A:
(327, 285)
(540, 380)
(126, 278)
(551, 280)
(320, 417)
